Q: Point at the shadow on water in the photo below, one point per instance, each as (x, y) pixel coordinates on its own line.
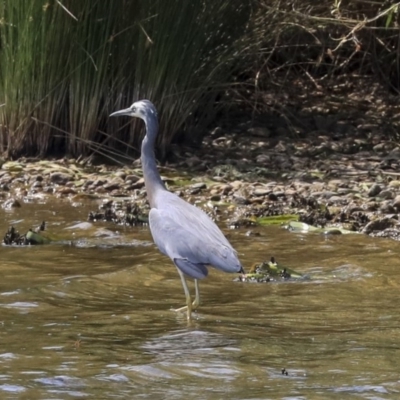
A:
(90, 317)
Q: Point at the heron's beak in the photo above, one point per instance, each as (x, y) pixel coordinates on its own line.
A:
(125, 111)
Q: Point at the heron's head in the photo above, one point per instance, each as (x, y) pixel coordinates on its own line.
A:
(143, 109)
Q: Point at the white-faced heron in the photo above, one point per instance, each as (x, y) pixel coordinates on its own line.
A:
(180, 230)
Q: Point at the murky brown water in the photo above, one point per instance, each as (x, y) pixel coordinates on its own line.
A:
(92, 318)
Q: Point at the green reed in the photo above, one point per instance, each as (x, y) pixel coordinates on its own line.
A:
(65, 65)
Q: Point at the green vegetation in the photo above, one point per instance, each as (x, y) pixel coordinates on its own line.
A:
(65, 65)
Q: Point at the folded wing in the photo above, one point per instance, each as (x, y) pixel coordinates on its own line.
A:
(191, 240)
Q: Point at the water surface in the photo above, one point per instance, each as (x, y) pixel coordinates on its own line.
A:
(91, 317)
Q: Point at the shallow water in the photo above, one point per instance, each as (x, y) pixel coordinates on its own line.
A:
(90, 317)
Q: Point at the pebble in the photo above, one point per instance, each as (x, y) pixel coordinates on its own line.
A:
(239, 199)
(137, 185)
(386, 194)
(261, 191)
(272, 197)
(111, 186)
(396, 202)
(60, 178)
(199, 185)
(215, 197)
(131, 178)
(386, 207)
(374, 190)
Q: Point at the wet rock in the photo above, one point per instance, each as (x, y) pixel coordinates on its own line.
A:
(199, 185)
(101, 190)
(386, 207)
(226, 189)
(344, 191)
(394, 184)
(111, 186)
(215, 197)
(238, 198)
(335, 183)
(5, 179)
(272, 197)
(235, 185)
(374, 190)
(337, 200)
(279, 193)
(252, 233)
(394, 154)
(11, 203)
(98, 182)
(121, 175)
(261, 191)
(389, 233)
(65, 191)
(131, 213)
(382, 147)
(372, 206)
(12, 166)
(379, 224)
(332, 232)
(132, 178)
(20, 180)
(60, 178)
(325, 194)
(37, 178)
(352, 208)
(37, 184)
(137, 185)
(396, 202)
(386, 194)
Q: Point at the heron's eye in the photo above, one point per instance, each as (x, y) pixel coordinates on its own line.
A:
(133, 109)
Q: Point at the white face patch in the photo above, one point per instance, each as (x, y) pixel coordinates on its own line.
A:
(143, 109)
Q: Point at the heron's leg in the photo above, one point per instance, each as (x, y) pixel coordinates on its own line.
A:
(187, 295)
(196, 302)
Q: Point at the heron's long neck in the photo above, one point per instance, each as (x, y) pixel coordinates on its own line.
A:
(152, 178)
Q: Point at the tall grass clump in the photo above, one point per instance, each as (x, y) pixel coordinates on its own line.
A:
(65, 65)
(189, 55)
(25, 83)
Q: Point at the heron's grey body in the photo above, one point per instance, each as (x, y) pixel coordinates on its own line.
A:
(180, 230)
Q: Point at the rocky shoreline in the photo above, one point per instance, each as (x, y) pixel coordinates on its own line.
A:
(248, 180)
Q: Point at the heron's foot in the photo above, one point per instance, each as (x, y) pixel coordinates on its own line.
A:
(188, 308)
(195, 305)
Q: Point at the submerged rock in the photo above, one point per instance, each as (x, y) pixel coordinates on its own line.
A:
(268, 271)
(122, 213)
(12, 237)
